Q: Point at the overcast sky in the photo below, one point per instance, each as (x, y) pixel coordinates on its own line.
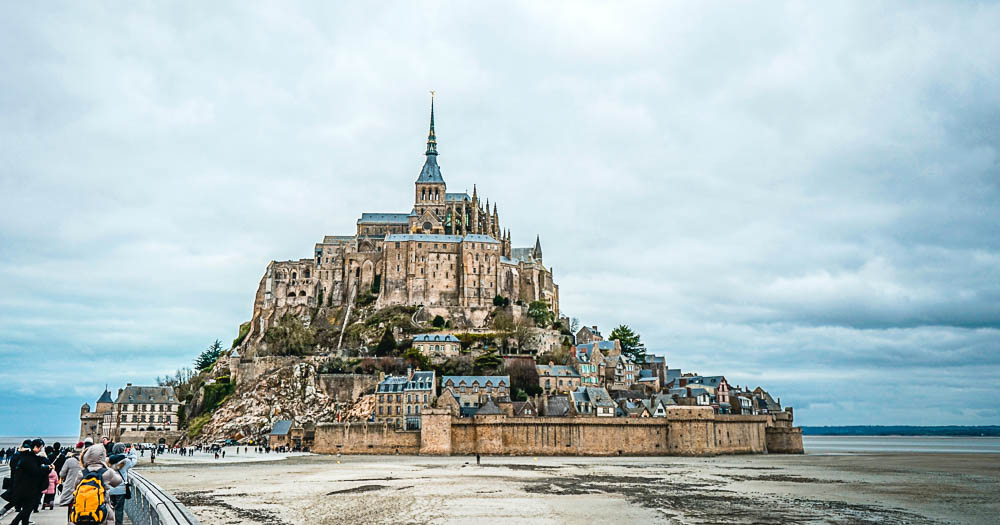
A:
(802, 199)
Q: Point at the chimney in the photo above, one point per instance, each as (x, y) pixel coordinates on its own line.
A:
(128, 384)
(409, 373)
(594, 327)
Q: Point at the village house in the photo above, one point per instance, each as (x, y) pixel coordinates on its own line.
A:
(472, 391)
(630, 408)
(437, 346)
(589, 361)
(593, 401)
(557, 379)
(620, 372)
(588, 334)
(399, 398)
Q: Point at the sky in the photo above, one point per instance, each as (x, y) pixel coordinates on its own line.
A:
(801, 197)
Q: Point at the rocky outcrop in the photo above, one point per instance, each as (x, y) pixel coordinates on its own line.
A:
(292, 392)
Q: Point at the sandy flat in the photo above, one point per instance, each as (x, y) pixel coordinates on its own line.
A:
(890, 489)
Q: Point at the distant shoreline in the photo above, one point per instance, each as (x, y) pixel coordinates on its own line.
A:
(902, 431)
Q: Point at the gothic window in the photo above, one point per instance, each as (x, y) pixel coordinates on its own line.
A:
(294, 275)
(307, 273)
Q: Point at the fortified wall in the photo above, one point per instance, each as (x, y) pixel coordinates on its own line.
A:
(686, 431)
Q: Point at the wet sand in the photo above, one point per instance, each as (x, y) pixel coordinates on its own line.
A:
(850, 489)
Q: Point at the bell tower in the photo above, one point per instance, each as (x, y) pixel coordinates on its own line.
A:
(430, 188)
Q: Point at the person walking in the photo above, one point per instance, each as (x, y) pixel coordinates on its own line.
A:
(95, 459)
(69, 476)
(9, 494)
(28, 481)
(49, 494)
(118, 493)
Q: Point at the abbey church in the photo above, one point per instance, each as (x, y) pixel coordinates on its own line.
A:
(449, 253)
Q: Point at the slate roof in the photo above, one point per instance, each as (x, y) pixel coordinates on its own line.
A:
(105, 397)
(147, 394)
(435, 338)
(431, 172)
(556, 371)
(281, 427)
(422, 380)
(489, 408)
(481, 380)
(437, 237)
(597, 396)
(522, 254)
(457, 197)
(521, 407)
(558, 406)
(384, 218)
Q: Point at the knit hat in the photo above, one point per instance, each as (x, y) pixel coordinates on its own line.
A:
(119, 448)
(81, 445)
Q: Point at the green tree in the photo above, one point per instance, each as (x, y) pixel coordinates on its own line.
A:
(488, 361)
(289, 336)
(209, 356)
(539, 312)
(415, 359)
(387, 345)
(631, 343)
(438, 321)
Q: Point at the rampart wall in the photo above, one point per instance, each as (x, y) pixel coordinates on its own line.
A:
(364, 438)
(691, 431)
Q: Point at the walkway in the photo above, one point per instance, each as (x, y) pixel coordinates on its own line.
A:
(45, 517)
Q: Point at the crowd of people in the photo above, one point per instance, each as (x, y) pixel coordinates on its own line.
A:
(90, 480)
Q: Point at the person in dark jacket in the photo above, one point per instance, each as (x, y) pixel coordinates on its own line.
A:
(31, 478)
(8, 494)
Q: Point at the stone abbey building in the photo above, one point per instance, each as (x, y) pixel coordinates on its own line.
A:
(449, 253)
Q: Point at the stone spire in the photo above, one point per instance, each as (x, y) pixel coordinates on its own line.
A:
(431, 173)
(431, 139)
(538, 248)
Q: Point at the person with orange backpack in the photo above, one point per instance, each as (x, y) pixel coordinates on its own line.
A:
(91, 505)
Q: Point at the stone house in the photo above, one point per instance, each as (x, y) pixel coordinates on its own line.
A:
(399, 399)
(588, 334)
(557, 379)
(589, 359)
(620, 371)
(524, 409)
(648, 380)
(92, 423)
(472, 391)
(438, 346)
(593, 401)
(631, 408)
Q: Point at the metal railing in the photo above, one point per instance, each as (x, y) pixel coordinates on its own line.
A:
(151, 505)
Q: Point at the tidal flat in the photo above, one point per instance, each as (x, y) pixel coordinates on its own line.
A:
(849, 489)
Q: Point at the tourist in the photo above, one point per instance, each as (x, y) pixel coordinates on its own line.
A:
(3, 455)
(107, 445)
(49, 494)
(118, 493)
(69, 475)
(9, 494)
(95, 459)
(28, 478)
(152, 456)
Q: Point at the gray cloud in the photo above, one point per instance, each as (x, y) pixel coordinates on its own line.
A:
(804, 199)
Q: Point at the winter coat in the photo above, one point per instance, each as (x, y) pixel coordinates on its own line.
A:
(53, 481)
(130, 460)
(70, 473)
(29, 476)
(94, 459)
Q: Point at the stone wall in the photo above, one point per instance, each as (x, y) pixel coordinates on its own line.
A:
(347, 388)
(782, 440)
(364, 438)
(685, 431)
(154, 437)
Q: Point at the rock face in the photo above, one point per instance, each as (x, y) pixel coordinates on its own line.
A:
(291, 392)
